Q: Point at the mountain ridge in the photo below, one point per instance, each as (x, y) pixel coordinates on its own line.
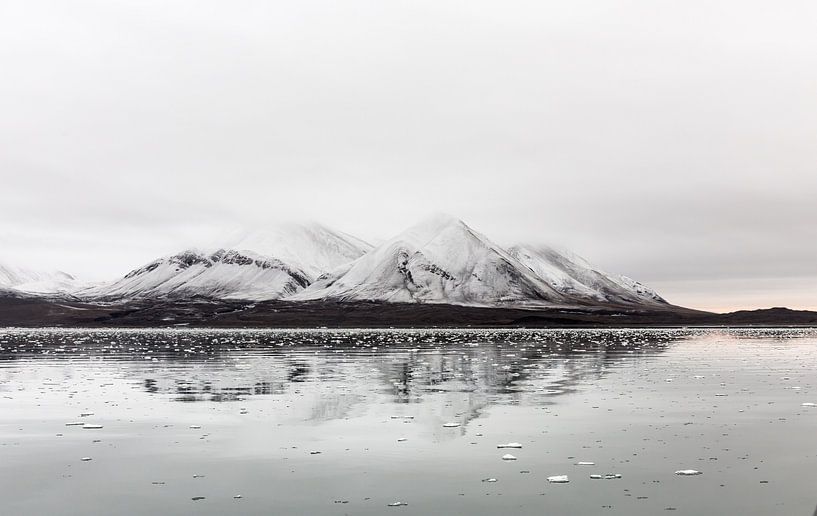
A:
(439, 260)
(424, 263)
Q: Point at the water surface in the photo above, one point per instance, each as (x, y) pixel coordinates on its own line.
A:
(347, 422)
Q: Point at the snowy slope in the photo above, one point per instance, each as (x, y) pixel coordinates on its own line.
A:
(219, 274)
(575, 277)
(29, 281)
(440, 260)
(312, 247)
(254, 266)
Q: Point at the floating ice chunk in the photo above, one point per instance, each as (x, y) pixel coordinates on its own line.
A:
(558, 479)
(509, 445)
(688, 472)
(397, 504)
(89, 426)
(583, 463)
(451, 425)
(508, 456)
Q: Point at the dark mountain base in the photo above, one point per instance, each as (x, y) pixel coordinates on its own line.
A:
(37, 312)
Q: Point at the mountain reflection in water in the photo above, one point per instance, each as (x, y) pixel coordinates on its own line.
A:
(491, 367)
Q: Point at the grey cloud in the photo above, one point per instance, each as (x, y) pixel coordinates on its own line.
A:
(673, 142)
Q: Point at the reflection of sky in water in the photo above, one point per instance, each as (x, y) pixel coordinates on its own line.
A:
(640, 403)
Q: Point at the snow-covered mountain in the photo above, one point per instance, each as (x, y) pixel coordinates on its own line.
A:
(259, 265)
(440, 260)
(575, 277)
(36, 282)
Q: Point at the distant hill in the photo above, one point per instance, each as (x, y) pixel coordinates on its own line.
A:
(202, 312)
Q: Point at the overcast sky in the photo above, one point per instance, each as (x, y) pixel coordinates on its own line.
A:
(675, 142)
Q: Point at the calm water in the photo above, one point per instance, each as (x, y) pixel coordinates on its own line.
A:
(348, 422)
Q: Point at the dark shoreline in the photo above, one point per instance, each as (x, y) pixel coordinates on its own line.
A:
(39, 312)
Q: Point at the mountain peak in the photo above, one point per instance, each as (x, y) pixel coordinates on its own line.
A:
(260, 264)
(311, 246)
(36, 281)
(439, 260)
(431, 227)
